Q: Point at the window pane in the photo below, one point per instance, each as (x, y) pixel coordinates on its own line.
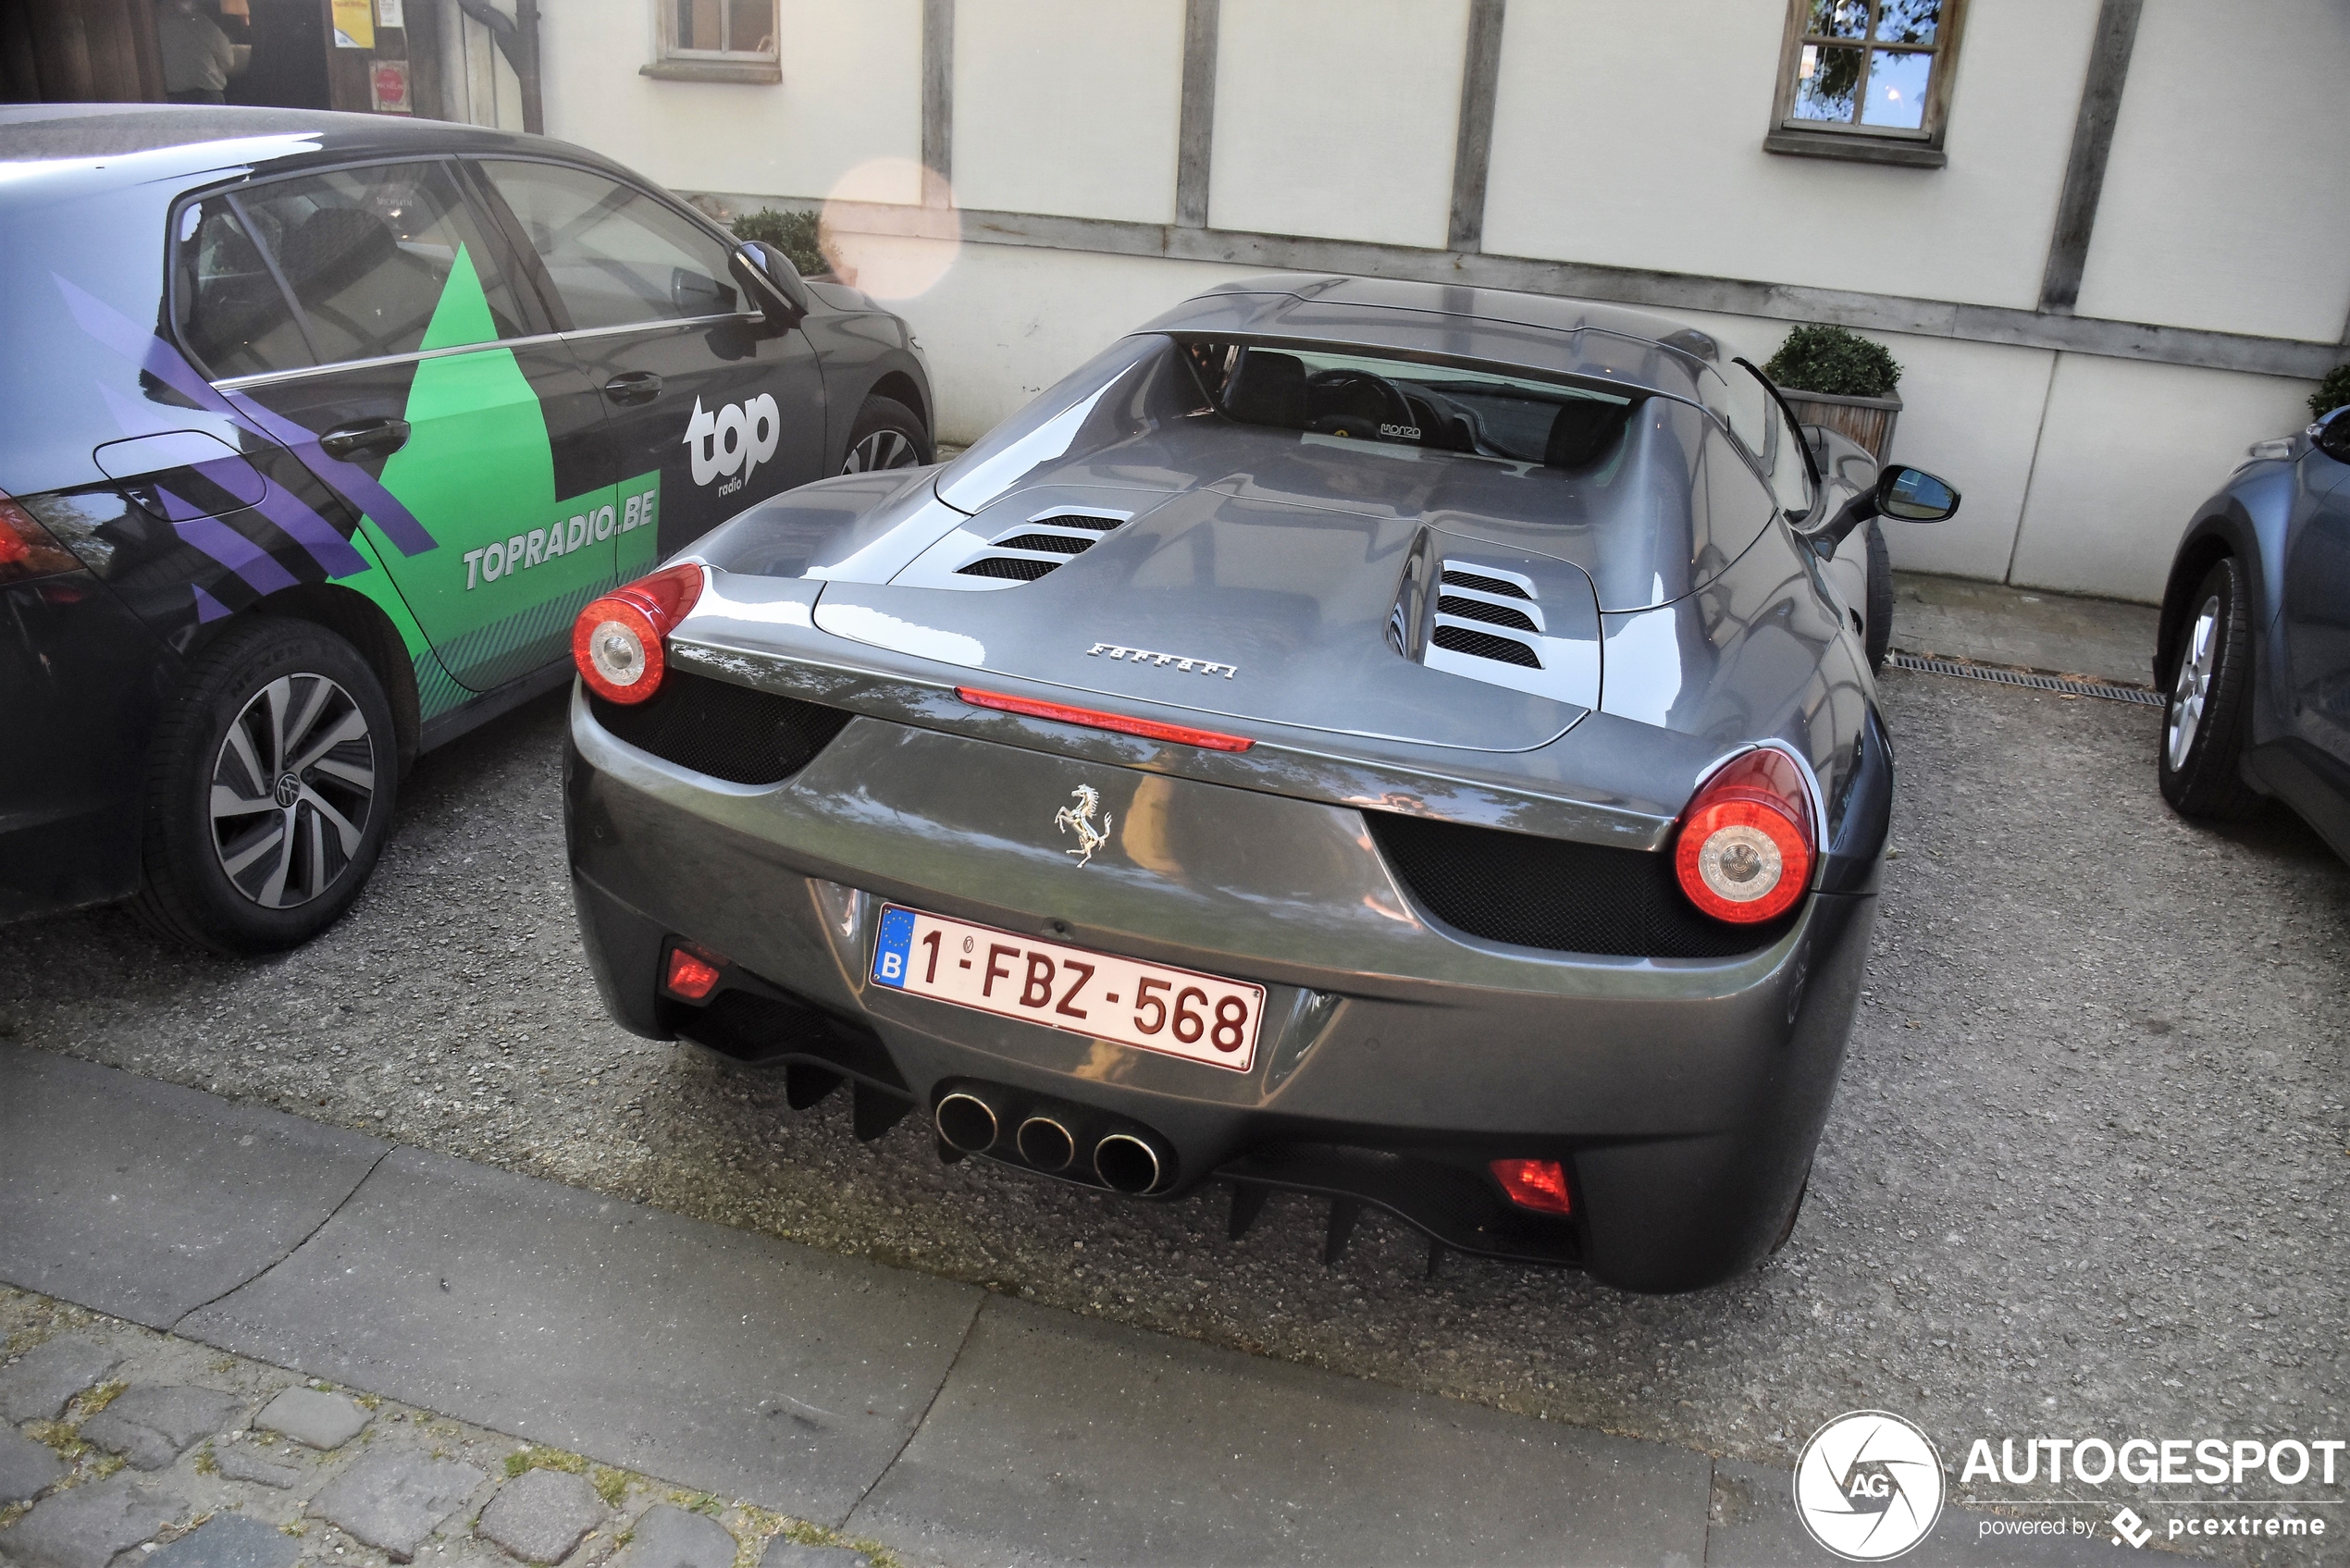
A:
(1909, 21)
(1825, 82)
(1839, 18)
(751, 26)
(367, 252)
(1897, 90)
(697, 25)
(231, 315)
(616, 256)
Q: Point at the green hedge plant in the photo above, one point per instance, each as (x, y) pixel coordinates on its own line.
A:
(2332, 393)
(1831, 360)
(792, 233)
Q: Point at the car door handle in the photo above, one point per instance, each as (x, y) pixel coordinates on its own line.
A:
(385, 436)
(636, 387)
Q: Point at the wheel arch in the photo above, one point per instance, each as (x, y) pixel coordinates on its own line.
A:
(899, 386)
(2212, 540)
(361, 622)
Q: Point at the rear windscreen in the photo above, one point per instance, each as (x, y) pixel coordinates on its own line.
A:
(1353, 396)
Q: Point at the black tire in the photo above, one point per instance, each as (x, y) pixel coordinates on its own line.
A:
(1879, 609)
(888, 435)
(310, 772)
(2198, 761)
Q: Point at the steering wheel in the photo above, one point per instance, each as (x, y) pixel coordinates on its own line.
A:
(1356, 404)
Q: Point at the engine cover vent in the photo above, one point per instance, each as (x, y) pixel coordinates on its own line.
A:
(1507, 617)
(1016, 549)
(1480, 645)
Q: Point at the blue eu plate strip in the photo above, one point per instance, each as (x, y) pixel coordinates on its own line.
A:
(889, 952)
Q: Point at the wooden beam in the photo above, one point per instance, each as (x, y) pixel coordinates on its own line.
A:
(1195, 134)
(938, 95)
(1473, 142)
(2091, 142)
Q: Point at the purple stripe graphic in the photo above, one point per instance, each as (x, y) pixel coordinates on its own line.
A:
(232, 549)
(207, 608)
(166, 363)
(237, 477)
(314, 533)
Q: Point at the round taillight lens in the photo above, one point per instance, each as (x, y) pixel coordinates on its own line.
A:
(1745, 850)
(616, 643)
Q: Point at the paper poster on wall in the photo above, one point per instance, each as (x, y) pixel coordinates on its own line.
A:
(387, 14)
(354, 23)
(388, 84)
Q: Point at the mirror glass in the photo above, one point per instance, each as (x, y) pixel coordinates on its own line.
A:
(1911, 494)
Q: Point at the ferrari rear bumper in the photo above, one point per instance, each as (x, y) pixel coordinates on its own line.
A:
(1396, 1058)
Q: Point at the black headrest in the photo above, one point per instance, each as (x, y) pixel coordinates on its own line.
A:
(1268, 389)
(1581, 432)
(333, 247)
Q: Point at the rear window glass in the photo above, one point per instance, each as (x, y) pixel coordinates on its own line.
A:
(1407, 403)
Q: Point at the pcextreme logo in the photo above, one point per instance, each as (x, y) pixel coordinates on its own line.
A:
(1868, 1486)
(733, 442)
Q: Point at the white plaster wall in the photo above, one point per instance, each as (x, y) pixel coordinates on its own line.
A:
(1068, 107)
(2127, 452)
(852, 92)
(2226, 205)
(1633, 136)
(1008, 321)
(1338, 117)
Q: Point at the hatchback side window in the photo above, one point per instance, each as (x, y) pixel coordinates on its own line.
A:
(615, 257)
(225, 301)
(368, 251)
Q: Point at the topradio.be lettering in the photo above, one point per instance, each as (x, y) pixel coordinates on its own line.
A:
(558, 539)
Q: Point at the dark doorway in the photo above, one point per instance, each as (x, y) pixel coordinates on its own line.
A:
(289, 69)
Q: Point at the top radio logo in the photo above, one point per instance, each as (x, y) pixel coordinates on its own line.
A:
(733, 442)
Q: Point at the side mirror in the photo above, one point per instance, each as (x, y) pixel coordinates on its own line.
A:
(1911, 494)
(774, 282)
(1904, 494)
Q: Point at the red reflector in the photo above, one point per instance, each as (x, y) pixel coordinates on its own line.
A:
(1094, 717)
(1534, 1184)
(690, 975)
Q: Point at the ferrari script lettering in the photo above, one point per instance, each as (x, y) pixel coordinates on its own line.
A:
(1145, 656)
(736, 439)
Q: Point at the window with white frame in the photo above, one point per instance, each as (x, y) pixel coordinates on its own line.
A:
(1866, 78)
(717, 41)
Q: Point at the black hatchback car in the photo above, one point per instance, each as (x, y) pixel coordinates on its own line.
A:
(319, 431)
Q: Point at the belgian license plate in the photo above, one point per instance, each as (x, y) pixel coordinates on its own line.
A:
(1150, 1006)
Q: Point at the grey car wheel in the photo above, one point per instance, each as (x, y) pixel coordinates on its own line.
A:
(2203, 723)
(886, 435)
(270, 790)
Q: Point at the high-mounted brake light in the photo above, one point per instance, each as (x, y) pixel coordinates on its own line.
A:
(1746, 847)
(1534, 1184)
(616, 642)
(1094, 717)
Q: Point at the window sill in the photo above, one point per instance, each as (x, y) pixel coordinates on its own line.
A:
(1907, 152)
(761, 72)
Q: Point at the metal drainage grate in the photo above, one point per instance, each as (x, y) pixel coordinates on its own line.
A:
(2138, 695)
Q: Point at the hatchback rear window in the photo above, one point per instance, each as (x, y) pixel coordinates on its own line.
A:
(1390, 402)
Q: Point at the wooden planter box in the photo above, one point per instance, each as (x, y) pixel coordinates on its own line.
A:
(1868, 422)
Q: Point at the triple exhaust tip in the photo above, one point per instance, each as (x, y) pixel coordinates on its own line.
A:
(1125, 1163)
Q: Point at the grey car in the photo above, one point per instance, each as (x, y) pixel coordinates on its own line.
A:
(1414, 746)
(2254, 646)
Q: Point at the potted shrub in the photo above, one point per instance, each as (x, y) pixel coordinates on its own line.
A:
(792, 233)
(1842, 380)
(2332, 393)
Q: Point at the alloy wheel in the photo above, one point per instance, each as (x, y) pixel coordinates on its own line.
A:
(883, 449)
(2194, 683)
(291, 789)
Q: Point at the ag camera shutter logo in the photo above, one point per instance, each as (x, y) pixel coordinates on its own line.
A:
(735, 441)
(1869, 1486)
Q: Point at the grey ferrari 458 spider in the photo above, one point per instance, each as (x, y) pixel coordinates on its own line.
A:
(1413, 745)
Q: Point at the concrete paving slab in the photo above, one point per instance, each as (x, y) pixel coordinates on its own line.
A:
(671, 1537)
(313, 1418)
(1062, 1439)
(153, 1425)
(85, 1527)
(228, 1540)
(395, 1497)
(145, 1200)
(2104, 639)
(242, 1462)
(27, 1468)
(723, 1360)
(1755, 1527)
(37, 1385)
(541, 1514)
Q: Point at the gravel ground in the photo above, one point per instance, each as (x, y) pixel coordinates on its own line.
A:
(2085, 1175)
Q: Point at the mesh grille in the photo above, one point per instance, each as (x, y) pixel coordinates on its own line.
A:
(1073, 520)
(1492, 614)
(1484, 585)
(1017, 566)
(1478, 645)
(1552, 893)
(1058, 544)
(726, 731)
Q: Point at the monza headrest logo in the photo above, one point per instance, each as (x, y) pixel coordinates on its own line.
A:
(1869, 1486)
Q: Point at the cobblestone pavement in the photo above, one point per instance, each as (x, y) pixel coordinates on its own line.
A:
(181, 1457)
(2085, 1176)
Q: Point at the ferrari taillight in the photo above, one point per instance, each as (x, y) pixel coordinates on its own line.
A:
(1746, 846)
(616, 642)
